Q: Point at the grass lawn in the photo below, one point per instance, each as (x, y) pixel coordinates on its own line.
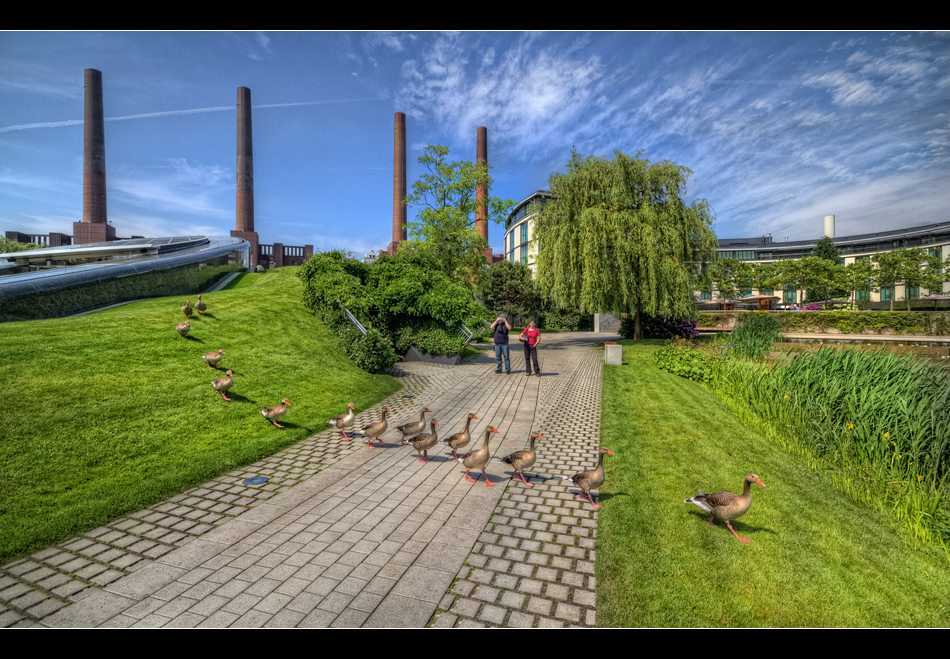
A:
(110, 412)
(815, 558)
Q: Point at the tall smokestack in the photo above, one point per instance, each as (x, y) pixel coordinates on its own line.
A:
(244, 214)
(94, 152)
(245, 162)
(830, 226)
(94, 227)
(481, 192)
(399, 182)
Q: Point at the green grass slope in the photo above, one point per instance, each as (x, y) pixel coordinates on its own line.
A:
(815, 558)
(109, 412)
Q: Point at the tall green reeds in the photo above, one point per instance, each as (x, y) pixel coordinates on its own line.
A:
(877, 421)
(755, 334)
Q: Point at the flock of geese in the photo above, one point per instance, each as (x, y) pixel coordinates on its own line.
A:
(476, 459)
(213, 359)
(724, 506)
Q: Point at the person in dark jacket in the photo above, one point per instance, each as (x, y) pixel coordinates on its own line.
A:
(501, 327)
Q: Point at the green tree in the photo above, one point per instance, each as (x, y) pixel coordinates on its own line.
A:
(825, 249)
(508, 288)
(618, 236)
(7, 246)
(855, 277)
(913, 267)
(445, 222)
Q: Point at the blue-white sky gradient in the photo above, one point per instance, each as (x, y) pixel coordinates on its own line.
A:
(779, 128)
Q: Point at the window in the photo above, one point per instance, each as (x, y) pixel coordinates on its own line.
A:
(705, 295)
(745, 291)
(913, 292)
(524, 253)
(862, 296)
(887, 293)
(789, 297)
(524, 233)
(766, 291)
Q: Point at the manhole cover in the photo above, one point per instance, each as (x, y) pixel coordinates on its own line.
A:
(256, 480)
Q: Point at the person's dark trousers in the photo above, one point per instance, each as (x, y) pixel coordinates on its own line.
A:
(531, 355)
(501, 349)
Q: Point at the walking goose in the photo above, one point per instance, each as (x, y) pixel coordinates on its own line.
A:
(221, 385)
(212, 358)
(345, 421)
(275, 412)
(374, 430)
(524, 460)
(426, 440)
(592, 478)
(478, 459)
(726, 505)
(460, 439)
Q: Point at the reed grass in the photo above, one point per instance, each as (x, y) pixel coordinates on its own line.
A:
(877, 422)
(816, 557)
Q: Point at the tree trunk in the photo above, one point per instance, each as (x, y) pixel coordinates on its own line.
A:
(637, 330)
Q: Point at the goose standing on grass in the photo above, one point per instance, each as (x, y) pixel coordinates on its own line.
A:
(275, 412)
(374, 430)
(414, 428)
(460, 439)
(591, 479)
(425, 440)
(212, 358)
(183, 328)
(523, 460)
(726, 505)
(221, 385)
(478, 459)
(187, 309)
(200, 306)
(345, 421)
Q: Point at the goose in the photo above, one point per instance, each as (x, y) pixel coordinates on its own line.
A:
(426, 440)
(592, 478)
(726, 505)
(183, 328)
(412, 429)
(460, 439)
(345, 421)
(200, 306)
(275, 412)
(187, 309)
(221, 385)
(478, 459)
(374, 430)
(524, 460)
(212, 358)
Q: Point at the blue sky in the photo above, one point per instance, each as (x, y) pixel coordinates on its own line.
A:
(779, 128)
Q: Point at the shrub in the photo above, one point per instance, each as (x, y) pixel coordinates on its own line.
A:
(659, 327)
(372, 352)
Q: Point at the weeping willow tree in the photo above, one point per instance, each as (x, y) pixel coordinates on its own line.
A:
(618, 236)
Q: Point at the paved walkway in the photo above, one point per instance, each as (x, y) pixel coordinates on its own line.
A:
(344, 536)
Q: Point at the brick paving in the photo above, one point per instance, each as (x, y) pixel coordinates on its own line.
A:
(343, 536)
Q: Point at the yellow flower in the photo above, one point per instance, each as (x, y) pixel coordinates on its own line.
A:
(886, 435)
(920, 478)
(786, 396)
(850, 426)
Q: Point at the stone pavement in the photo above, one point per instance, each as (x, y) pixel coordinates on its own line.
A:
(345, 536)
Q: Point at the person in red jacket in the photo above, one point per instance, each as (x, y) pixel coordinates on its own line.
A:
(531, 336)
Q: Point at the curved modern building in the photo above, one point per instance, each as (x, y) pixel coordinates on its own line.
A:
(58, 281)
(520, 247)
